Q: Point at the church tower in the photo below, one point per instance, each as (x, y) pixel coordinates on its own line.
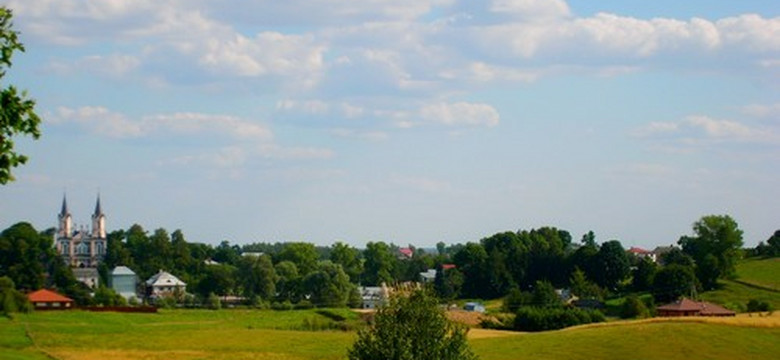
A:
(98, 222)
(66, 222)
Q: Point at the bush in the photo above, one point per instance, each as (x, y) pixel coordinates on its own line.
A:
(284, 305)
(516, 299)
(543, 319)
(758, 306)
(303, 305)
(633, 308)
(213, 302)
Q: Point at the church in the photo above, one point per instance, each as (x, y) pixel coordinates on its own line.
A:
(82, 248)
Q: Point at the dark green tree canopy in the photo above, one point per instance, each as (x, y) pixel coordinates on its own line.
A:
(715, 248)
(17, 111)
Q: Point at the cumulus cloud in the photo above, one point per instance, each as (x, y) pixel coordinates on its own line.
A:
(460, 114)
(537, 10)
(700, 130)
(102, 121)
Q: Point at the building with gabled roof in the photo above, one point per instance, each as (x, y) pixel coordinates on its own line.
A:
(164, 284)
(688, 307)
(124, 281)
(44, 299)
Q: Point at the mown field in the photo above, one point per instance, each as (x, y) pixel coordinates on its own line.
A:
(252, 334)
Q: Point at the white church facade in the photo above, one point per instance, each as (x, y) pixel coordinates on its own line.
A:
(82, 248)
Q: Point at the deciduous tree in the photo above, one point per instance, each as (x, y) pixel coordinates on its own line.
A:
(17, 110)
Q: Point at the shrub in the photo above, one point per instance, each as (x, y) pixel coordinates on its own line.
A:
(543, 319)
(213, 302)
(633, 307)
(303, 305)
(284, 305)
(758, 306)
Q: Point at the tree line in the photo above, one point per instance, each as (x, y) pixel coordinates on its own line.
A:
(302, 273)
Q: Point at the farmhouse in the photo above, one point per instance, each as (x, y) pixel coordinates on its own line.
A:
(49, 300)
(688, 307)
(164, 284)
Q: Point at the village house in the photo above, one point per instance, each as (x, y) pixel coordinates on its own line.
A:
(164, 284)
(49, 300)
(688, 307)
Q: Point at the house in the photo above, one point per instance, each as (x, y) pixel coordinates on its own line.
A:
(660, 251)
(123, 281)
(688, 307)
(428, 277)
(164, 284)
(405, 253)
(642, 253)
(49, 300)
(373, 296)
(210, 262)
(474, 306)
(448, 266)
(253, 253)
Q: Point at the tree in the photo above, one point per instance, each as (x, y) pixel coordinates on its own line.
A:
(673, 281)
(304, 255)
(720, 237)
(257, 276)
(379, 264)
(288, 279)
(613, 265)
(643, 274)
(412, 326)
(349, 259)
(12, 300)
(582, 287)
(774, 244)
(447, 283)
(17, 111)
(544, 295)
(329, 286)
(471, 261)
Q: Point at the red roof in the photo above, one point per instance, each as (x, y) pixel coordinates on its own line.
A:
(447, 266)
(639, 251)
(44, 295)
(408, 252)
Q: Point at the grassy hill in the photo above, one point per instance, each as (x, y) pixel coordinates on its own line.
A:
(756, 279)
(246, 334)
(760, 272)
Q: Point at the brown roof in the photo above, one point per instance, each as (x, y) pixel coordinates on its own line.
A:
(714, 309)
(683, 304)
(44, 295)
(702, 307)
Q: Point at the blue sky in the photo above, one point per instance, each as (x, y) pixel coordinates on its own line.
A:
(407, 121)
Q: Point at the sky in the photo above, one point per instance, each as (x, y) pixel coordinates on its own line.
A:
(405, 121)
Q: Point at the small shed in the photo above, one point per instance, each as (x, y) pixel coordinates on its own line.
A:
(474, 306)
(49, 300)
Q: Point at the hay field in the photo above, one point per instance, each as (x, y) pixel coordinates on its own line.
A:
(248, 334)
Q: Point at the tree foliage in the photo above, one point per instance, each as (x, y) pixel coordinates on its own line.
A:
(715, 248)
(17, 110)
(672, 282)
(412, 326)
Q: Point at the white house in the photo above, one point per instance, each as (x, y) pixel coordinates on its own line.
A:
(373, 296)
(164, 284)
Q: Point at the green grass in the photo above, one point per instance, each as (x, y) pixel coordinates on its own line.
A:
(761, 272)
(256, 334)
(663, 340)
(735, 295)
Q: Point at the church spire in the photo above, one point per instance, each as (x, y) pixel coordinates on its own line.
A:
(98, 210)
(64, 210)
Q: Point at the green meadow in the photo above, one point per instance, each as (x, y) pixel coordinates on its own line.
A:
(760, 272)
(265, 334)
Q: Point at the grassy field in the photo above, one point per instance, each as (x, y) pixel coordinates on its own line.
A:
(247, 334)
(761, 272)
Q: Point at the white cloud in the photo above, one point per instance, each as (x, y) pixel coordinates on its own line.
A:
(460, 114)
(360, 135)
(699, 130)
(535, 10)
(763, 111)
(102, 121)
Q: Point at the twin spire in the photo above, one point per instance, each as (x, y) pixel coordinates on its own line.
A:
(64, 211)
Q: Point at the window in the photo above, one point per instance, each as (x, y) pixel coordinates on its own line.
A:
(82, 249)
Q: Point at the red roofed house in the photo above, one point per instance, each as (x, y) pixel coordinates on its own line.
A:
(405, 253)
(49, 300)
(447, 266)
(688, 307)
(642, 253)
